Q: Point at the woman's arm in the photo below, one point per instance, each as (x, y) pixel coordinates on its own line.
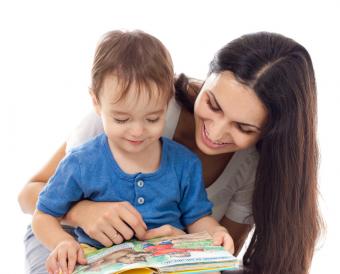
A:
(97, 219)
(29, 194)
(239, 232)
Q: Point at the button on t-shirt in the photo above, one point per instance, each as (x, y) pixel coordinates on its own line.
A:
(140, 183)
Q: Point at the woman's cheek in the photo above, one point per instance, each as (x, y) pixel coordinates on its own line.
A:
(242, 141)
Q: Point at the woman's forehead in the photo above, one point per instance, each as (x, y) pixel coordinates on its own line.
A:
(237, 100)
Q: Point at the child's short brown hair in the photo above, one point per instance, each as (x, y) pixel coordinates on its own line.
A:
(135, 57)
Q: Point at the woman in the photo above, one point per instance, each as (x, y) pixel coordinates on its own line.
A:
(253, 125)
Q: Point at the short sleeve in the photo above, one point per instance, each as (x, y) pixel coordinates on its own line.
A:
(194, 200)
(89, 127)
(240, 205)
(62, 190)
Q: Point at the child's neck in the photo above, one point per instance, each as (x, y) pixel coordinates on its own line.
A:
(146, 161)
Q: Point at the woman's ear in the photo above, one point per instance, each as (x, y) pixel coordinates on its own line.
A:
(95, 102)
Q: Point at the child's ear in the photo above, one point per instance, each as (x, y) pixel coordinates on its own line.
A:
(95, 102)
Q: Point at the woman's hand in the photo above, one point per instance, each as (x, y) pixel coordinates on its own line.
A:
(107, 222)
(222, 237)
(162, 231)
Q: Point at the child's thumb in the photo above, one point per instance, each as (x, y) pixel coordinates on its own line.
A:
(81, 257)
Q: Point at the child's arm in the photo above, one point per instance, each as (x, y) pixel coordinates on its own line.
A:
(66, 250)
(48, 230)
(219, 233)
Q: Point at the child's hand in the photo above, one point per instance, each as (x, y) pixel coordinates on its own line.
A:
(223, 238)
(64, 257)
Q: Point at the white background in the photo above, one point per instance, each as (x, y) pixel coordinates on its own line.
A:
(46, 50)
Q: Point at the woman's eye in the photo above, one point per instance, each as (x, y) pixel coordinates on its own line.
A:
(120, 121)
(213, 108)
(153, 120)
(244, 130)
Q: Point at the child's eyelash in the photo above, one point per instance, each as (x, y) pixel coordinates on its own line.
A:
(120, 121)
(153, 120)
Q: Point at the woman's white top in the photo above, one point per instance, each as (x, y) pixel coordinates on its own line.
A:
(231, 193)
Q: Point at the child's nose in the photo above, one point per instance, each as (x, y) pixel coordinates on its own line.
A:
(137, 129)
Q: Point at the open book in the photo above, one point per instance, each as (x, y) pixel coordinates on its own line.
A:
(190, 253)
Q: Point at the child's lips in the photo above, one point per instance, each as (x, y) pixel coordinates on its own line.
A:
(135, 142)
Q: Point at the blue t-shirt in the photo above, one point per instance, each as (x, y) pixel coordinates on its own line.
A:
(174, 194)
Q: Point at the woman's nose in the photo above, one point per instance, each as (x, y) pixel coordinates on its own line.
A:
(219, 131)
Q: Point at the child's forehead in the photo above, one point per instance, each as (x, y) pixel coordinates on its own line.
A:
(120, 92)
(138, 105)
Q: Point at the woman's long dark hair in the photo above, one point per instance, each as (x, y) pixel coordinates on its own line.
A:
(285, 208)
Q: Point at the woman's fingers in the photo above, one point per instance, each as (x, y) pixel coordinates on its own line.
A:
(113, 234)
(136, 214)
(125, 231)
(108, 236)
(129, 216)
(112, 231)
(218, 238)
(102, 238)
(224, 239)
(228, 243)
(123, 218)
(113, 217)
(162, 231)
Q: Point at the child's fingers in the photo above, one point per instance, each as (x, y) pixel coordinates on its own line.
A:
(81, 256)
(62, 260)
(52, 264)
(71, 260)
(52, 270)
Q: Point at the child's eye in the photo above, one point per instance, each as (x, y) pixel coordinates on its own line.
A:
(120, 121)
(213, 108)
(153, 120)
